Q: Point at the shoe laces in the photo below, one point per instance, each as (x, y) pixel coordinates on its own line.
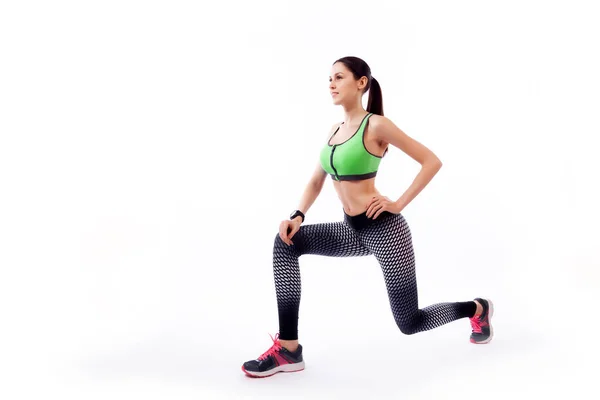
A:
(476, 324)
(273, 349)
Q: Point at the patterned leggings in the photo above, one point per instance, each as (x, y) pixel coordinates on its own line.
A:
(388, 238)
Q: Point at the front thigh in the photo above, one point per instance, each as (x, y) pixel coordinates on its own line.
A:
(332, 239)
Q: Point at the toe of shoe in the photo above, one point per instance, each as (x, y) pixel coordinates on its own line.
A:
(250, 366)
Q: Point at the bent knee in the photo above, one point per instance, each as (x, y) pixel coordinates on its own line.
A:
(406, 328)
(296, 247)
(278, 242)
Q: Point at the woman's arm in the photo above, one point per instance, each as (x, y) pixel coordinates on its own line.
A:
(315, 184)
(386, 131)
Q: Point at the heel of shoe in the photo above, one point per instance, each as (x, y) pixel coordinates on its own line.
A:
(490, 315)
(491, 304)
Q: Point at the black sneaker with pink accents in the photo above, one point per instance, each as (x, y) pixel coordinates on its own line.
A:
(276, 359)
(481, 324)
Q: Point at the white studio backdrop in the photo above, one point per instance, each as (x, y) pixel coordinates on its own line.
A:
(149, 151)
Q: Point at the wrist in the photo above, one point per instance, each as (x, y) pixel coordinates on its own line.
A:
(297, 214)
(399, 204)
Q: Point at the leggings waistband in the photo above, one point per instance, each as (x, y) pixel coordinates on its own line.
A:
(361, 221)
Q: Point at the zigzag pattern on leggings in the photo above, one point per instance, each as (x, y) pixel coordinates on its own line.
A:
(390, 241)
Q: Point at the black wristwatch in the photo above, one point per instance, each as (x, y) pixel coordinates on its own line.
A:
(297, 213)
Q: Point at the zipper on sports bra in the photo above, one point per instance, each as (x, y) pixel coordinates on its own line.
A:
(331, 162)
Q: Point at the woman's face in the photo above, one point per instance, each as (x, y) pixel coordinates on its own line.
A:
(342, 85)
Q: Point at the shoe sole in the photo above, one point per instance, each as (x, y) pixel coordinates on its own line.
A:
(295, 367)
(490, 315)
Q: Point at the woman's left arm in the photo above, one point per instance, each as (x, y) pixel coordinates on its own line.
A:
(385, 130)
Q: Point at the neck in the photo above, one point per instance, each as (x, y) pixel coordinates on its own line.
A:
(353, 113)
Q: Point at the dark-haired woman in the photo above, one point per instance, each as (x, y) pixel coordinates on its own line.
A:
(372, 223)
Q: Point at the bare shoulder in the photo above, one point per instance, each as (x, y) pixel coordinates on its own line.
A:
(386, 131)
(378, 121)
(384, 128)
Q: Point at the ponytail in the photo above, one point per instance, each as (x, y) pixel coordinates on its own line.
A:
(375, 102)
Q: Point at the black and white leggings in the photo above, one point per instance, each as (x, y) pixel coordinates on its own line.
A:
(388, 238)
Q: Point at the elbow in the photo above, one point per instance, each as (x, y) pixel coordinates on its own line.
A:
(434, 163)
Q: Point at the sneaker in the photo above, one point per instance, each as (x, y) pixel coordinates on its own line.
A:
(276, 359)
(482, 327)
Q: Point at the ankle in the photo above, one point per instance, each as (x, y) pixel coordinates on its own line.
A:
(478, 309)
(290, 345)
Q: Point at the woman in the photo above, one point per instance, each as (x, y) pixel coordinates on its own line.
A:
(372, 224)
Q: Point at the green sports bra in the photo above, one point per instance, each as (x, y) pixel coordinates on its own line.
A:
(350, 160)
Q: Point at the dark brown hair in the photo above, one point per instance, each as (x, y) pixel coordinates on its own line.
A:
(359, 68)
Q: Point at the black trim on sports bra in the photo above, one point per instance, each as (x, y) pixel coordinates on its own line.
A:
(354, 177)
(339, 144)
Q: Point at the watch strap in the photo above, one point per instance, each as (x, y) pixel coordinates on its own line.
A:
(297, 213)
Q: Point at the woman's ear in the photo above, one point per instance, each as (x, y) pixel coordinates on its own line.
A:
(362, 83)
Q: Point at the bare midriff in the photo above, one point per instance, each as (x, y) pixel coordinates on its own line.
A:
(355, 195)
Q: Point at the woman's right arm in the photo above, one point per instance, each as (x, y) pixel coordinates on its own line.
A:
(312, 190)
(315, 184)
(287, 228)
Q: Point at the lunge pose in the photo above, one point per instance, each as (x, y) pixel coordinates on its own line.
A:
(372, 224)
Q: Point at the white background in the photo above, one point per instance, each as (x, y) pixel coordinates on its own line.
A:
(149, 150)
